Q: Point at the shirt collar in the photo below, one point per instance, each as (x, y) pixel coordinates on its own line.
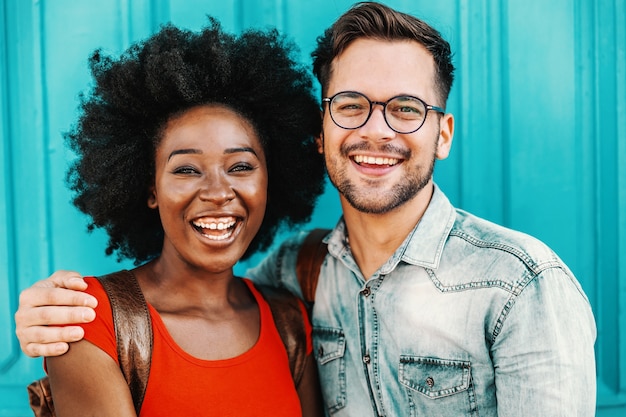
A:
(424, 244)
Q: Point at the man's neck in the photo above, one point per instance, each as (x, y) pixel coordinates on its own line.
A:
(375, 237)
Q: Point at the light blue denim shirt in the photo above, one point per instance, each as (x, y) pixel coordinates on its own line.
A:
(467, 318)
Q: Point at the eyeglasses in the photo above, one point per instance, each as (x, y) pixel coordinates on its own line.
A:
(403, 114)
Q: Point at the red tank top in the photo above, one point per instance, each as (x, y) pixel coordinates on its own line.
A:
(256, 383)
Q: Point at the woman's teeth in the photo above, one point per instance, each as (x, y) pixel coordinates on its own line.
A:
(208, 227)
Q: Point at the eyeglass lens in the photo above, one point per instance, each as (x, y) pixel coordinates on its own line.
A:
(351, 110)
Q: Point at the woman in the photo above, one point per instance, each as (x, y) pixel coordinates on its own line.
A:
(193, 148)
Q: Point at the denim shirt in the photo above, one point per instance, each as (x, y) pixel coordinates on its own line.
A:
(467, 318)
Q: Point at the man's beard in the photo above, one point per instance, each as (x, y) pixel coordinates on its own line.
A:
(381, 201)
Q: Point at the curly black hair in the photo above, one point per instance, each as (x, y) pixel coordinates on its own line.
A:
(123, 116)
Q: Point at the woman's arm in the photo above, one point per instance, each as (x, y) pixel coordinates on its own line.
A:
(309, 390)
(87, 381)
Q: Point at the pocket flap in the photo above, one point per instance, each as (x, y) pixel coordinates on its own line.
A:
(434, 377)
(328, 344)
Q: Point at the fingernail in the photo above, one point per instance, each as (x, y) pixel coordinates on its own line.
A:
(76, 333)
(88, 315)
(90, 302)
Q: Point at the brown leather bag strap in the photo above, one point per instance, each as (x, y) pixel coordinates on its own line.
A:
(310, 258)
(133, 331)
(289, 319)
(286, 308)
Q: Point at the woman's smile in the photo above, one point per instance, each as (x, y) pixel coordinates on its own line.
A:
(216, 228)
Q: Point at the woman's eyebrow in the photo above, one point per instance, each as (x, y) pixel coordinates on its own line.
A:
(183, 152)
(199, 151)
(242, 149)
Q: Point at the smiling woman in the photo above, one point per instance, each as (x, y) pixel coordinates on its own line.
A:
(210, 186)
(183, 163)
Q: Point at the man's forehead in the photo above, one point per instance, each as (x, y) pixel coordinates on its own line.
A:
(386, 68)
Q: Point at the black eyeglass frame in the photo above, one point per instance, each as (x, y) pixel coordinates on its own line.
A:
(427, 106)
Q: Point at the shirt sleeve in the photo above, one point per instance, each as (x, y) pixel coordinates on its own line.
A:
(543, 353)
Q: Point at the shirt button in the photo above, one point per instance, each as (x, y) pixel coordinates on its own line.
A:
(430, 381)
(366, 292)
(367, 359)
(320, 351)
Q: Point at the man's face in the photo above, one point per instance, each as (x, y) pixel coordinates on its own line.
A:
(375, 168)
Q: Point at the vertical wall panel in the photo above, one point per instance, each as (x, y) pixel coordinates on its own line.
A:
(7, 287)
(608, 108)
(541, 131)
(480, 139)
(70, 35)
(620, 110)
(26, 222)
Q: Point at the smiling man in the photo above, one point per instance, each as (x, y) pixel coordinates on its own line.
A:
(421, 308)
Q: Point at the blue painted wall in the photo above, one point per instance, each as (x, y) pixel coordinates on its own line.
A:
(540, 146)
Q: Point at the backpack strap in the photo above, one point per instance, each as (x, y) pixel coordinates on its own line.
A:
(310, 259)
(289, 319)
(286, 308)
(133, 330)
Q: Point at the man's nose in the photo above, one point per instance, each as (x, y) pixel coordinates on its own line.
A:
(376, 127)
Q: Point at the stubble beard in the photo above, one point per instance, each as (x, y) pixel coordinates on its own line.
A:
(372, 199)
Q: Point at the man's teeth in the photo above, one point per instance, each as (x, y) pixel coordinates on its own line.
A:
(370, 160)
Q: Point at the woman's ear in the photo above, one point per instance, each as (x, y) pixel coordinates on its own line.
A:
(446, 133)
(152, 200)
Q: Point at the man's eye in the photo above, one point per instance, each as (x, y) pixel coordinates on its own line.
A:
(405, 111)
(350, 108)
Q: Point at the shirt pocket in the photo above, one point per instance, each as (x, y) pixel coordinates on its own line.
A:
(329, 346)
(437, 387)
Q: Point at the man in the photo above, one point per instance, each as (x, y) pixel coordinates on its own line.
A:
(421, 308)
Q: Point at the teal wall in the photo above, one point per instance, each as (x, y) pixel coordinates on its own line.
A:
(540, 145)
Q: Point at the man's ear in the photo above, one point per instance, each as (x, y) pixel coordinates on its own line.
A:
(446, 133)
(319, 141)
(152, 200)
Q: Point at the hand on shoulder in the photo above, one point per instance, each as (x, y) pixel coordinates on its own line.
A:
(56, 300)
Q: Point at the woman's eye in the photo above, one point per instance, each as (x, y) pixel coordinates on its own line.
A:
(241, 167)
(185, 170)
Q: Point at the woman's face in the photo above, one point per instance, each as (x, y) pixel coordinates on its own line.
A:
(210, 187)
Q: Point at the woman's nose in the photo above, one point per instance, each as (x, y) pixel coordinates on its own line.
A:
(217, 189)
